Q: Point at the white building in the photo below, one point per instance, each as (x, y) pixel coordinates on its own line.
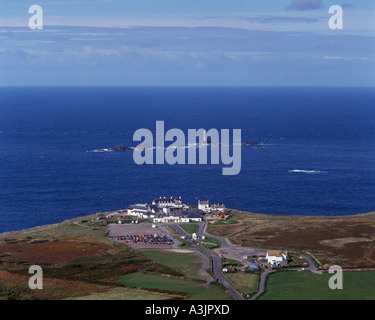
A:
(276, 256)
(178, 218)
(141, 210)
(166, 219)
(203, 205)
(138, 208)
(217, 207)
(168, 202)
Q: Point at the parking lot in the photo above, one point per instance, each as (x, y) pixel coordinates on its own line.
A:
(142, 235)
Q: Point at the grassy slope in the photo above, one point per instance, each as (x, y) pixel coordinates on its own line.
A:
(188, 264)
(77, 261)
(347, 241)
(210, 243)
(245, 283)
(189, 228)
(196, 290)
(120, 293)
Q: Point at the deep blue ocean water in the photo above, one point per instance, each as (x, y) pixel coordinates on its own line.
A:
(47, 174)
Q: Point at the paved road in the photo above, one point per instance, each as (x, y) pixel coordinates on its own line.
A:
(216, 261)
(262, 283)
(267, 272)
(223, 241)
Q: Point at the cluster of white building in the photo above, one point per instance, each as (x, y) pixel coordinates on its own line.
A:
(166, 210)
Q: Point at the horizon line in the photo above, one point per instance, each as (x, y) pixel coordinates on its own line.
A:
(183, 86)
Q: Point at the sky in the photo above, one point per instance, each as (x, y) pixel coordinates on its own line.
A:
(187, 43)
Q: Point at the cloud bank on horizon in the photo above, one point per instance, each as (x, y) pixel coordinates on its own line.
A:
(180, 42)
(305, 4)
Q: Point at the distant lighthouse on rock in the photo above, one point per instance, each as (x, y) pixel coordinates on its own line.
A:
(205, 140)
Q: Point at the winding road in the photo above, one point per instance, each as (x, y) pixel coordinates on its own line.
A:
(217, 263)
(216, 260)
(267, 272)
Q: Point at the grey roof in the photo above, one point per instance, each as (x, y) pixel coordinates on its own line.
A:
(252, 266)
(164, 200)
(189, 214)
(193, 215)
(139, 207)
(156, 208)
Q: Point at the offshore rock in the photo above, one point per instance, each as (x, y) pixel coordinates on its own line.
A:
(120, 148)
(253, 144)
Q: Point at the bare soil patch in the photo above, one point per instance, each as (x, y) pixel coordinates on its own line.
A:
(237, 253)
(341, 242)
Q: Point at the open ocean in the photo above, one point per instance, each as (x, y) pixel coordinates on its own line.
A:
(48, 172)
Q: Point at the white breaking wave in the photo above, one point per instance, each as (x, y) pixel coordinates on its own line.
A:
(304, 171)
(142, 146)
(101, 150)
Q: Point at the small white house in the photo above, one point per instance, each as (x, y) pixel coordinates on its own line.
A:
(276, 256)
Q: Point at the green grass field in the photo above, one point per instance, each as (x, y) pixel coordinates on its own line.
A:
(245, 282)
(189, 228)
(195, 289)
(294, 285)
(225, 222)
(187, 263)
(210, 243)
(227, 261)
(126, 294)
(185, 245)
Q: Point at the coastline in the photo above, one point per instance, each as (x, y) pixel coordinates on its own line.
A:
(263, 215)
(83, 242)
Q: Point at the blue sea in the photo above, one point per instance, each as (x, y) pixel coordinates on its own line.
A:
(49, 172)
